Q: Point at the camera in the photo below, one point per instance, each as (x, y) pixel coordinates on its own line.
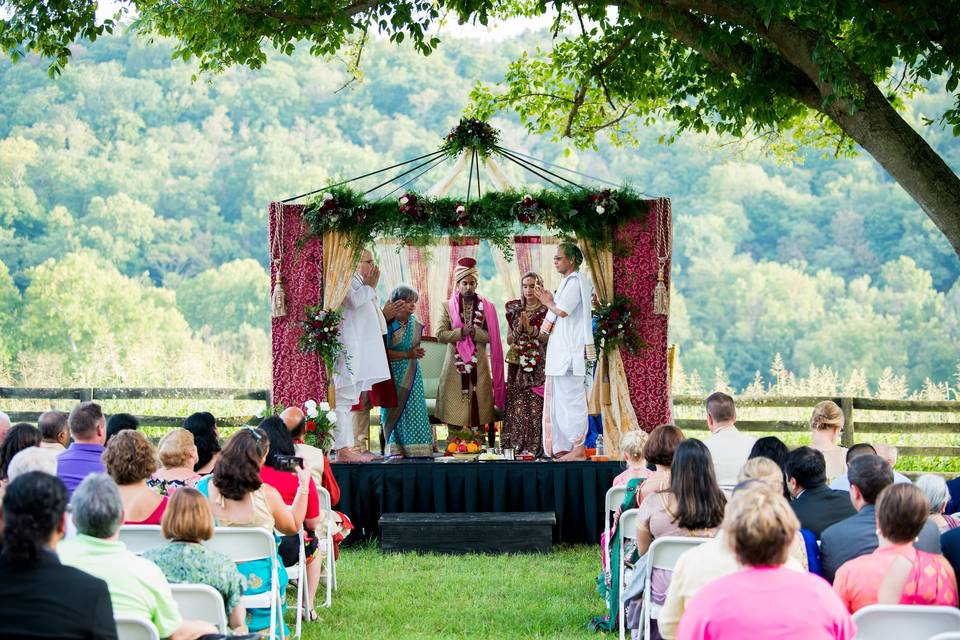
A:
(288, 463)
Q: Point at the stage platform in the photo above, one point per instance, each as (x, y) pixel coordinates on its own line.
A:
(574, 491)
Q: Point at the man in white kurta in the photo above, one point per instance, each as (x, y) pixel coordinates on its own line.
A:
(569, 348)
(360, 332)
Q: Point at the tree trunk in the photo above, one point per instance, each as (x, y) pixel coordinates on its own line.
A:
(907, 157)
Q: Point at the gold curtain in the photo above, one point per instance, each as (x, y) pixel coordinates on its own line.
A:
(341, 256)
(610, 395)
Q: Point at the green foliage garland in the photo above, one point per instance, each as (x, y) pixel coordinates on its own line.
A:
(496, 216)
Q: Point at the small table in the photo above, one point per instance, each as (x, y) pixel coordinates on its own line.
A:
(483, 532)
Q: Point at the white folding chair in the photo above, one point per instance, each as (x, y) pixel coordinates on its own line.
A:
(947, 635)
(200, 602)
(300, 577)
(135, 628)
(627, 530)
(904, 622)
(663, 554)
(245, 544)
(326, 547)
(140, 537)
(611, 503)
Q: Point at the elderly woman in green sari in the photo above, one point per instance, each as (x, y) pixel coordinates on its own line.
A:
(406, 427)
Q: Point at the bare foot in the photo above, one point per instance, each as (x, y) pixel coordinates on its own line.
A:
(370, 456)
(578, 453)
(349, 455)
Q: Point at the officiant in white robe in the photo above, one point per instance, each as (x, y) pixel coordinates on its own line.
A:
(361, 331)
(570, 347)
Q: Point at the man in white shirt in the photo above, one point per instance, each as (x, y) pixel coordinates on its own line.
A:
(728, 447)
(366, 361)
(569, 347)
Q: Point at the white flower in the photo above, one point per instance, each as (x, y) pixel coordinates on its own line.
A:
(603, 331)
(327, 197)
(600, 208)
(332, 416)
(310, 405)
(461, 209)
(528, 369)
(404, 200)
(619, 326)
(466, 368)
(527, 196)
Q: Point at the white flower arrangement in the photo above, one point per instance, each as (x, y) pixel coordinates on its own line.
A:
(404, 200)
(327, 197)
(600, 208)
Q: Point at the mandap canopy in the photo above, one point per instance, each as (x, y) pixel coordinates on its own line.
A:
(626, 241)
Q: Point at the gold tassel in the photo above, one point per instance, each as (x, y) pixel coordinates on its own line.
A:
(278, 301)
(661, 300)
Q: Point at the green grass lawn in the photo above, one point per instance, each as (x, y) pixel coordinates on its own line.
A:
(387, 595)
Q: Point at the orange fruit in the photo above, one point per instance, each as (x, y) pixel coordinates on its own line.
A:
(452, 447)
(473, 447)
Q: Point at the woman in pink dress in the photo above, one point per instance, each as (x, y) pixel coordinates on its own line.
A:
(131, 460)
(765, 599)
(896, 572)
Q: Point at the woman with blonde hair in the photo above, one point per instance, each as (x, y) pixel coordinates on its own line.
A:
(186, 523)
(523, 416)
(178, 455)
(825, 425)
(631, 448)
(759, 527)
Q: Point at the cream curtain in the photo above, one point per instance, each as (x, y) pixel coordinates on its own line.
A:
(610, 396)
(542, 261)
(508, 271)
(341, 256)
(391, 265)
(438, 281)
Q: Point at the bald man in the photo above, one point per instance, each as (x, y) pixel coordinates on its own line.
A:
(4, 424)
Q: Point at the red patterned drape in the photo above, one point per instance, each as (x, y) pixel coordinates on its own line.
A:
(523, 247)
(297, 377)
(418, 273)
(635, 276)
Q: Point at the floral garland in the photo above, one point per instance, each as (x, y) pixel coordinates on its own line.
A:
(528, 352)
(319, 427)
(466, 367)
(471, 134)
(614, 326)
(321, 335)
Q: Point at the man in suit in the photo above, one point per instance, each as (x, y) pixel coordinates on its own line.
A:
(816, 505)
(857, 535)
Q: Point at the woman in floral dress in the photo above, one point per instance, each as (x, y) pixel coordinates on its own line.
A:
(523, 418)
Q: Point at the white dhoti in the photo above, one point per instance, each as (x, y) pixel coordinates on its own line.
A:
(565, 414)
(366, 364)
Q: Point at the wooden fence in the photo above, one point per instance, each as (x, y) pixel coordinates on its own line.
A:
(852, 425)
(86, 394)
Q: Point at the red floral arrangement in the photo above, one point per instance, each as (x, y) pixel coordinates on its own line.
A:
(614, 326)
(319, 427)
(528, 210)
(411, 205)
(461, 218)
(321, 335)
(604, 202)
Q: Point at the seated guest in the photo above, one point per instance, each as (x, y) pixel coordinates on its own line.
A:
(406, 426)
(772, 448)
(631, 448)
(692, 506)
(203, 426)
(240, 498)
(896, 572)
(842, 483)
(39, 597)
(54, 431)
(20, 436)
(714, 558)
(178, 456)
(287, 483)
(728, 447)
(88, 428)
(857, 535)
(767, 471)
(186, 523)
(130, 460)
(826, 423)
(32, 459)
(816, 505)
(121, 422)
(934, 487)
(658, 450)
(137, 586)
(766, 599)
